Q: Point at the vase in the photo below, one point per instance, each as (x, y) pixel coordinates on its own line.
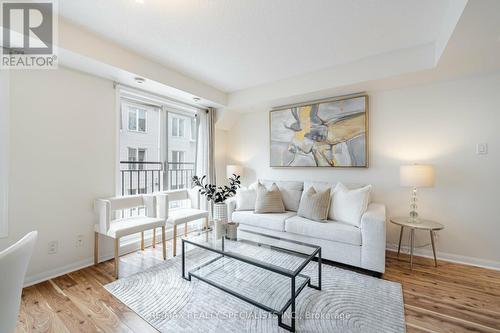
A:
(232, 231)
(219, 229)
(220, 212)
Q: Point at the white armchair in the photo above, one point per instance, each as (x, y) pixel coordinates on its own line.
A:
(156, 208)
(177, 216)
(13, 265)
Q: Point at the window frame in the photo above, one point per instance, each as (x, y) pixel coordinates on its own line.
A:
(178, 119)
(133, 108)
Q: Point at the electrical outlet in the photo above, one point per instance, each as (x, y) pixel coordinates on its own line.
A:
(482, 149)
(79, 241)
(53, 247)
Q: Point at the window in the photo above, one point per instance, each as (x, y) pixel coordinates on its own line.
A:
(133, 191)
(178, 127)
(178, 170)
(136, 155)
(132, 155)
(137, 119)
(177, 159)
(181, 128)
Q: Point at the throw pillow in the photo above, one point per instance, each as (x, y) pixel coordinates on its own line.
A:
(253, 186)
(349, 205)
(314, 205)
(269, 201)
(291, 198)
(245, 199)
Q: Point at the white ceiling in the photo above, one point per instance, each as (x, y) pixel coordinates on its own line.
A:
(237, 44)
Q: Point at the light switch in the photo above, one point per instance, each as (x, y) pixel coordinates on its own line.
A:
(482, 149)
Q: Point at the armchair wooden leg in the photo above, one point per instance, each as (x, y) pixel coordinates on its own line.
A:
(154, 238)
(142, 240)
(117, 258)
(206, 223)
(185, 229)
(164, 243)
(96, 248)
(175, 240)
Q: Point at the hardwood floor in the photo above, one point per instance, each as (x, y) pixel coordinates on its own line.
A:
(449, 298)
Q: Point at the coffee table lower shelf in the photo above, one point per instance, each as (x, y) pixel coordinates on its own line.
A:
(214, 270)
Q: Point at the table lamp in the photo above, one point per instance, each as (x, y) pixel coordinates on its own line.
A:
(234, 170)
(416, 176)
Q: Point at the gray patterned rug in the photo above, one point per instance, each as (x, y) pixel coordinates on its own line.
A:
(348, 301)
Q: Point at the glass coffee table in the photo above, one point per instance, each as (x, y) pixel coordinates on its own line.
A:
(263, 270)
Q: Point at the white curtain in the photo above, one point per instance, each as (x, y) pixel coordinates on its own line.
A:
(205, 159)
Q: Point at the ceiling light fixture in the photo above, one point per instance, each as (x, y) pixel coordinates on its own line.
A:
(196, 99)
(139, 80)
(139, 1)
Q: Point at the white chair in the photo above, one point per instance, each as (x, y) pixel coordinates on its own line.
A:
(13, 265)
(156, 209)
(177, 216)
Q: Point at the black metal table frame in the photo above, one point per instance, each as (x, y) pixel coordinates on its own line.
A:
(276, 269)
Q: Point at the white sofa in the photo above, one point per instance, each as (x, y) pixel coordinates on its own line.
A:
(362, 247)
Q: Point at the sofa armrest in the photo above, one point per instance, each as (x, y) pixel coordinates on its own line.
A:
(373, 238)
(231, 207)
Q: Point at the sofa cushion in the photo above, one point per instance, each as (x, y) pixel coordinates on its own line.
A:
(319, 186)
(291, 192)
(331, 230)
(131, 225)
(274, 221)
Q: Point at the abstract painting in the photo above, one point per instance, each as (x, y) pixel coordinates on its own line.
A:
(324, 134)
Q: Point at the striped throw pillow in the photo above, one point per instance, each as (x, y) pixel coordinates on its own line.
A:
(314, 205)
(269, 201)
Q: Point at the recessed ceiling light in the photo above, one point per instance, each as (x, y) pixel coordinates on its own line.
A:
(196, 99)
(139, 1)
(139, 80)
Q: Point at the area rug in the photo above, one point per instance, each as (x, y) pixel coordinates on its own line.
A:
(348, 301)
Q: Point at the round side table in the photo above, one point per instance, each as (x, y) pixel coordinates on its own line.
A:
(420, 224)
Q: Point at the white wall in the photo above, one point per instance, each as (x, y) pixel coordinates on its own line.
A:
(4, 150)
(62, 157)
(437, 123)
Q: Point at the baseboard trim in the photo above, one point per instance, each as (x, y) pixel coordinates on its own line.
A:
(427, 253)
(53, 273)
(125, 248)
(135, 246)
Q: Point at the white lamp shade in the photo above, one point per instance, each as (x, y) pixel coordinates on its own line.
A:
(234, 170)
(416, 175)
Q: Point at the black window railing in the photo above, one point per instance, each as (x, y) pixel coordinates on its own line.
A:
(140, 177)
(149, 177)
(179, 175)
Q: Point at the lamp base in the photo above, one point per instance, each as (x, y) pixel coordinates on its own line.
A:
(413, 217)
(413, 206)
